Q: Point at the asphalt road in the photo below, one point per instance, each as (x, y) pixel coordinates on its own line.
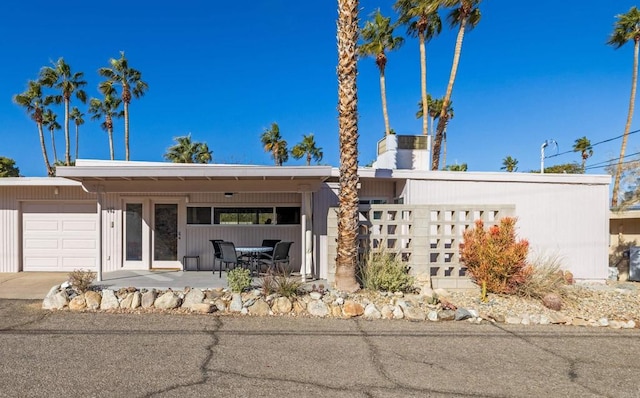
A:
(64, 354)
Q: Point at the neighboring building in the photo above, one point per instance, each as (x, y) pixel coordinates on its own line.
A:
(111, 215)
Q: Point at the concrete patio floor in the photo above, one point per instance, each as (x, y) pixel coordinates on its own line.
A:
(35, 285)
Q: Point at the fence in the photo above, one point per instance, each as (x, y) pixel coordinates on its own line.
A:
(426, 237)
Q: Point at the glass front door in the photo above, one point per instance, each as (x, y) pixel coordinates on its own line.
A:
(136, 235)
(168, 246)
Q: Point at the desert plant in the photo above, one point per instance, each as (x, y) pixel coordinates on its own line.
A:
(385, 271)
(239, 279)
(280, 283)
(81, 280)
(494, 258)
(546, 277)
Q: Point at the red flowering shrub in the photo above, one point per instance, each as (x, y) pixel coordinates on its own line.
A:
(495, 258)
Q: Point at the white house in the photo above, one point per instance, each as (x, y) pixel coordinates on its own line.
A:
(111, 215)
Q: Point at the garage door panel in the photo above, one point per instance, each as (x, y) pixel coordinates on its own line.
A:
(39, 243)
(73, 263)
(41, 225)
(79, 244)
(59, 236)
(35, 263)
(79, 226)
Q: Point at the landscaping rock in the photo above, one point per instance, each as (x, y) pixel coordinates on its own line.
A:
(397, 312)
(169, 300)
(109, 300)
(236, 303)
(317, 308)
(461, 314)
(371, 312)
(78, 303)
(387, 311)
(92, 299)
(194, 296)
(203, 308)
(281, 305)
(126, 301)
(447, 315)
(352, 309)
(552, 301)
(136, 300)
(259, 307)
(55, 300)
(148, 298)
(414, 314)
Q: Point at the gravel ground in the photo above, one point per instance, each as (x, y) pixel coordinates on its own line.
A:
(614, 301)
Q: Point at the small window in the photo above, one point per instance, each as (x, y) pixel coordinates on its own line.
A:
(198, 215)
(242, 216)
(287, 215)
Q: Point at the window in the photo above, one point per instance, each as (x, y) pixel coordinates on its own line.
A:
(373, 201)
(198, 215)
(242, 216)
(287, 215)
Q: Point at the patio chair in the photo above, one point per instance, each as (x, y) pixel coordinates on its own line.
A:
(229, 256)
(280, 257)
(269, 243)
(217, 254)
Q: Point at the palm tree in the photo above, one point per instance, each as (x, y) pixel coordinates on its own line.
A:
(307, 147)
(466, 16)
(130, 81)
(509, 164)
(107, 108)
(347, 242)
(60, 76)
(273, 142)
(187, 151)
(422, 20)
(583, 145)
(456, 167)
(77, 118)
(49, 119)
(626, 28)
(378, 38)
(33, 102)
(435, 108)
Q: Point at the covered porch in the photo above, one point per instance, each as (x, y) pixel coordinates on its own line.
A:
(163, 216)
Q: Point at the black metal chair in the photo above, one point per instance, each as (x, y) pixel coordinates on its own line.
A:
(229, 256)
(269, 243)
(217, 254)
(280, 257)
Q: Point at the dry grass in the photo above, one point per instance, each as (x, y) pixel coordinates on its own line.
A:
(81, 280)
(547, 277)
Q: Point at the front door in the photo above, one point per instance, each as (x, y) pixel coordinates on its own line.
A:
(168, 240)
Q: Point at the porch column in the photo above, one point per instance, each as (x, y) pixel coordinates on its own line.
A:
(100, 242)
(306, 228)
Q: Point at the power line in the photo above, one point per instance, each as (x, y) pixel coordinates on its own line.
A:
(592, 145)
(608, 162)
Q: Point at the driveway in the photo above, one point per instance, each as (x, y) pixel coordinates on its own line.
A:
(163, 355)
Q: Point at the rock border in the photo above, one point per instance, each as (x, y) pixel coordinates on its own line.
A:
(366, 305)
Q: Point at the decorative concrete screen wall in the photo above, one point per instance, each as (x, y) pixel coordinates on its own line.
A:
(426, 237)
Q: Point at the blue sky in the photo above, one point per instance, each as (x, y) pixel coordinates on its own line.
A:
(224, 71)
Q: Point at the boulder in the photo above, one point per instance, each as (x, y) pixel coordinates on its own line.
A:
(194, 296)
(78, 303)
(259, 307)
(371, 312)
(552, 301)
(109, 300)
(414, 314)
(352, 308)
(167, 301)
(317, 308)
(148, 298)
(281, 305)
(55, 300)
(92, 299)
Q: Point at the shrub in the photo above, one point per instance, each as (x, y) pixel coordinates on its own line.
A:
(546, 277)
(494, 259)
(81, 280)
(386, 272)
(280, 283)
(239, 279)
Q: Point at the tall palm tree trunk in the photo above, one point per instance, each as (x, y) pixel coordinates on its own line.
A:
(627, 127)
(126, 130)
(383, 95)
(111, 152)
(44, 151)
(77, 139)
(423, 82)
(53, 146)
(442, 121)
(347, 256)
(67, 137)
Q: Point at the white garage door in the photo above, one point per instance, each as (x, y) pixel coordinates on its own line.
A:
(59, 237)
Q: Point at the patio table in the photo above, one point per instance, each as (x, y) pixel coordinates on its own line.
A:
(253, 252)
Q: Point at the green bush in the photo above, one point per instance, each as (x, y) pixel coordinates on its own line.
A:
(494, 259)
(385, 272)
(81, 280)
(239, 279)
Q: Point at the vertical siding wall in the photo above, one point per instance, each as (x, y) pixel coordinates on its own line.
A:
(11, 221)
(567, 218)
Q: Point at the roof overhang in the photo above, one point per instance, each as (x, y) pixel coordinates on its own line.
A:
(119, 176)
